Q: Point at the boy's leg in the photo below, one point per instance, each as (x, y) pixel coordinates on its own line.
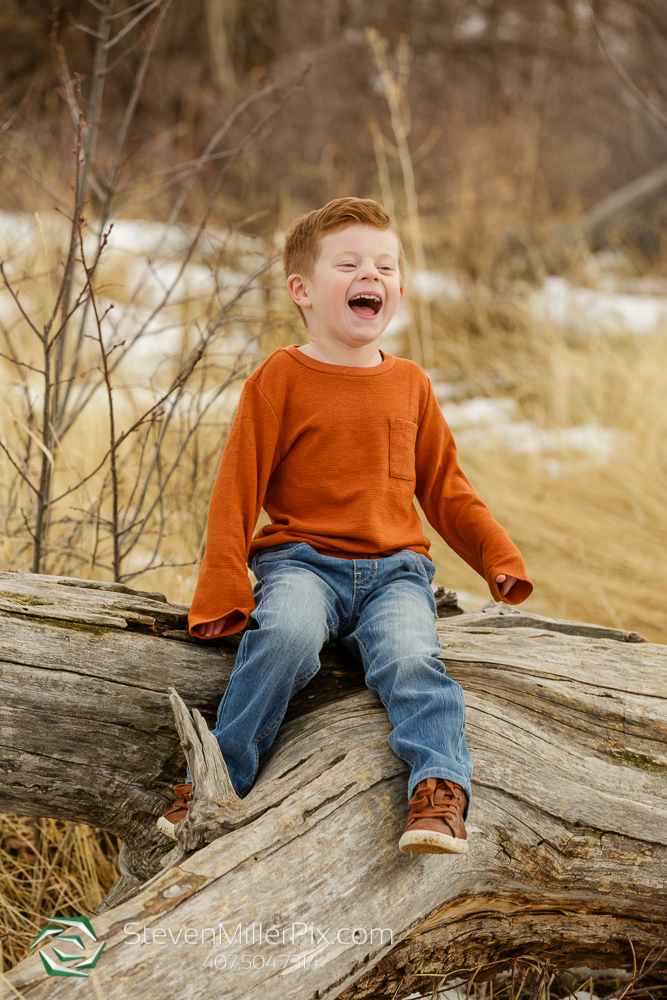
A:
(399, 647)
(294, 612)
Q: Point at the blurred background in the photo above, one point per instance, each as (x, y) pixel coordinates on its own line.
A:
(153, 154)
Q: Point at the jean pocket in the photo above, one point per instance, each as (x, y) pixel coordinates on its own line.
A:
(275, 552)
(402, 439)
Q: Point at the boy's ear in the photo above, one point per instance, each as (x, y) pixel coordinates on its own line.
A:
(297, 288)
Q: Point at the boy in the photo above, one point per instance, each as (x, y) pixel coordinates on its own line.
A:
(334, 439)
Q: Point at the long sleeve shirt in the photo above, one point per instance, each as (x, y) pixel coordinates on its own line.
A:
(335, 455)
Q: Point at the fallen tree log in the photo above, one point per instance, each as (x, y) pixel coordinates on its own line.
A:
(568, 831)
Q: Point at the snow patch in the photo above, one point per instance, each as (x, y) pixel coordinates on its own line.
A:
(590, 310)
(487, 424)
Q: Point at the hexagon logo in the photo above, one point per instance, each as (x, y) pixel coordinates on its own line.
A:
(60, 926)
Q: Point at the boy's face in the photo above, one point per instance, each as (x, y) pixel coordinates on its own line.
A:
(355, 287)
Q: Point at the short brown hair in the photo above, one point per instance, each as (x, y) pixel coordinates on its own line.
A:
(302, 242)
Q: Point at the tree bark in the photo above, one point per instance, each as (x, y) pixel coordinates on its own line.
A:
(567, 827)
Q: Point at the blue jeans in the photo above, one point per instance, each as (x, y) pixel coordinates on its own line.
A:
(383, 612)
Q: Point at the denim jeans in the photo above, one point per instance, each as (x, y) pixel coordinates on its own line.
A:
(383, 612)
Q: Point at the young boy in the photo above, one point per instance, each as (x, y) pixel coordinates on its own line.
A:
(334, 439)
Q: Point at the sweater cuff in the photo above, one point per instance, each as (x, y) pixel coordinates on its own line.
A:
(238, 619)
(521, 590)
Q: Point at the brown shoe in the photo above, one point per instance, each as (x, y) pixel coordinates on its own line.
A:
(435, 824)
(167, 823)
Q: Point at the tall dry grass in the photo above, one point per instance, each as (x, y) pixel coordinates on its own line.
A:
(49, 868)
(593, 532)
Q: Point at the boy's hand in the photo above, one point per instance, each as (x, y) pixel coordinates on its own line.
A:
(505, 583)
(208, 629)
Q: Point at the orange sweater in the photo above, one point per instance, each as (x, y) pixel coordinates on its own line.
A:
(335, 455)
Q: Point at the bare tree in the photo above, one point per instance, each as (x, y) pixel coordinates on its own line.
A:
(125, 491)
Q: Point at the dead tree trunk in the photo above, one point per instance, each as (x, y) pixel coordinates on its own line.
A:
(568, 831)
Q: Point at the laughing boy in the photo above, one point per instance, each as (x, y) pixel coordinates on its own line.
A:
(334, 439)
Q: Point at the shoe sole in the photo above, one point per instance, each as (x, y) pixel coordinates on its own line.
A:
(164, 826)
(431, 842)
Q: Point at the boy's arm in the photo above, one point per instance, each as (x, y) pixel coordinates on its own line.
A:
(250, 455)
(457, 513)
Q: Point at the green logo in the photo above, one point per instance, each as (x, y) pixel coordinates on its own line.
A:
(72, 940)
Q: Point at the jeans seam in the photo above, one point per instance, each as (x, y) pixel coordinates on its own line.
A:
(238, 664)
(428, 582)
(277, 719)
(378, 694)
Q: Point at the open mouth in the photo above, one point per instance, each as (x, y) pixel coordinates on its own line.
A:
(365, 304)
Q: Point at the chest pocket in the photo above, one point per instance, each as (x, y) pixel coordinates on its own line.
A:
(402, 438)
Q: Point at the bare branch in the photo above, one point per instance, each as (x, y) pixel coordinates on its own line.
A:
(112, 425)
(29, 172)
(129, 10)
(427, 145)
(85, 28)
(118, 151)
(147, 569)
(179, 168)
(13, 294)
(199, 164)
(23, 364)
(625, 76)
(118, 60)
(67, 84)
(88, 390)
(63, 291)
(10, 121)
(82, 298)
(136, 20)
(247, 140)
(18, 469)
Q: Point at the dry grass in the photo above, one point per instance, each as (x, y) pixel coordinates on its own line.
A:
(593, 533)
(49, 868)
(527, 978)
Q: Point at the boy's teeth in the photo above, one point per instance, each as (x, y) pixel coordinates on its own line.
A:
(366, 303)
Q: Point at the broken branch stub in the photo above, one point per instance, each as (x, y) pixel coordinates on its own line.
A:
(215, 805)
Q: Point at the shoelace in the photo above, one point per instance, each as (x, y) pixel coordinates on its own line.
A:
(184, 795)
(423, 804)
(182, 801)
